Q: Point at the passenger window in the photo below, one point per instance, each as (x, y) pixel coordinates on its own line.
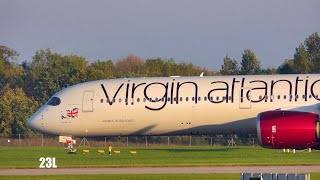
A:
(54, 101)
(119, 100)
(192, 98)
(101, 100)
(205, 98)
(187, 98)
(181, 98)
(284, 97)
(278, 96)
(138, 100)
(199, 98)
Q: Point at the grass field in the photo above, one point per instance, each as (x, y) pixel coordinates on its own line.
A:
(139, 176)
(133, 176)
(28, 157)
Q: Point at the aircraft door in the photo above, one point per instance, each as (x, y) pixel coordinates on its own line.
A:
(87, 101)
(245, 98)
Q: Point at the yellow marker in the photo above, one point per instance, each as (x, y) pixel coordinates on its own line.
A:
(101, 151)
(133, 152)
(85, 151)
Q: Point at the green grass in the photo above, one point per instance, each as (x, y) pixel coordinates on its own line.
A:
(140, 176)
(28, 157)
(133, 176)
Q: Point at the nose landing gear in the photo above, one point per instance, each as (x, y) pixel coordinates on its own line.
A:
(70, 148)
(70, 142)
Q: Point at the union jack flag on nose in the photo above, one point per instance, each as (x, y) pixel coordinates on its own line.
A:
(73, 113)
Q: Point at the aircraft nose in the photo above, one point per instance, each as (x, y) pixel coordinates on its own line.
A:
(34, 122)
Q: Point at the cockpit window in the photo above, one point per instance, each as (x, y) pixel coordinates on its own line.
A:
(54, 101)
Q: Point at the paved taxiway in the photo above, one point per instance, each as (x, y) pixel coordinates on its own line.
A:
(164, 170)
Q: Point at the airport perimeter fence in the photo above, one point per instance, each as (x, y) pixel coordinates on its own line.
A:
(136, 141)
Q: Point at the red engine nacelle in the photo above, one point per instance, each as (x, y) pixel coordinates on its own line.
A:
(288, 129)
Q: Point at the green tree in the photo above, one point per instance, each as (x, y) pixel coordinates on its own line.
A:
(186, 69)
(10, 73)
(101, 70)
(229, 66)
(269, 71)
(39, 82)
(50, 72)
(7, 53)
(76, 68)
(15, 109)
(170, 68)
(301, 62)
(131, 66)
(287, 67)
(312, 44)
(250, 63)
(154, 67)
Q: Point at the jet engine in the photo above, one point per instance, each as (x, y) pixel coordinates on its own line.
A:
(288, 129)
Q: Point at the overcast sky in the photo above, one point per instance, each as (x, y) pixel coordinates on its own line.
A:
(197, 31)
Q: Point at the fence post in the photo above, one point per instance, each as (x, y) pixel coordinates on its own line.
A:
(19, 140)
(168, 140)
(127, 141)
(42, 140)
(146, 141)
(211, 141)
(253, 141)
(190, 141)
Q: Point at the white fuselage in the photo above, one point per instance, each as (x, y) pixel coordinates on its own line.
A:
(174, 105)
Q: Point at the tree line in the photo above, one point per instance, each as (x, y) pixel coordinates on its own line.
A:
(306, 59)
(26, 86)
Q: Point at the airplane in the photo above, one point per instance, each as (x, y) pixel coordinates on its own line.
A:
(282, 109)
